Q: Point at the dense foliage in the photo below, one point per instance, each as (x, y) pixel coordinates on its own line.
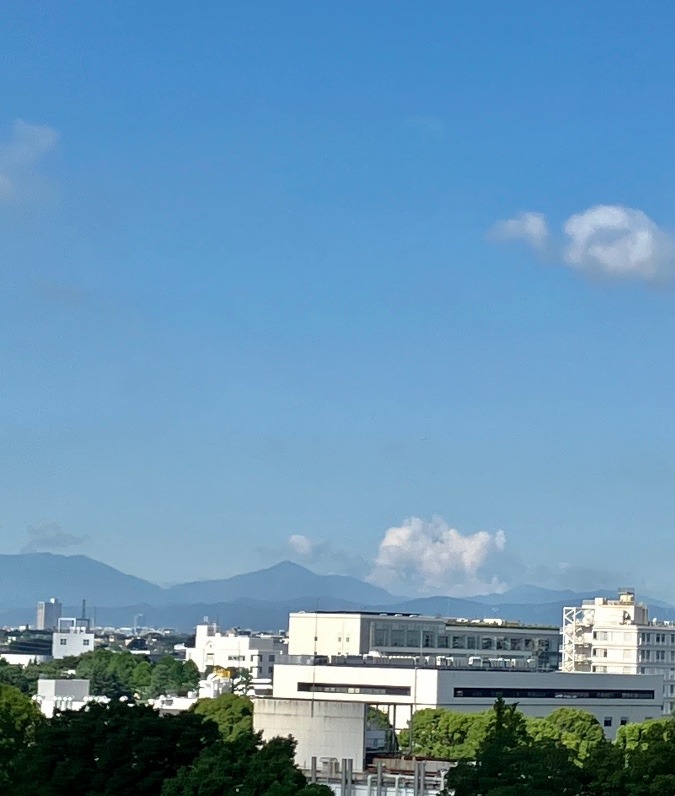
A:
(120, 748)
(503, 753)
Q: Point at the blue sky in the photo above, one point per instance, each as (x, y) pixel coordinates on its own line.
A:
(257, 302)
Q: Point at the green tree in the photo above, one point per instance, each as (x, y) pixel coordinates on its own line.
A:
(19, 719)
(171, 676)
(244, 766)
(232, 713)
(109, 750)
(109, 673)
(650, 760)
(509, 763)
(577, 730)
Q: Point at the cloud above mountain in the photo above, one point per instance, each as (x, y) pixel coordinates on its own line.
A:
(602, 242)
(430, 556)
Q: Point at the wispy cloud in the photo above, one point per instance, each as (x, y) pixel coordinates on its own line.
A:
(529, 227)
(430, 556)
(50, 536)
(26, 145)
(319, 553)
(604, 241)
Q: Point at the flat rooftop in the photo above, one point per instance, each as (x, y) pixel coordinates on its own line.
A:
(452, 621)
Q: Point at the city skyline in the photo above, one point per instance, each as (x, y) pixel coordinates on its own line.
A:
(385, 292)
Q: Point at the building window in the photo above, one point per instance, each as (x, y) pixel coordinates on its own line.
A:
(85, 642)
(347, 688)
(624, 721)
(607, 721)
(549, 693)
(63, 642)
(271, 658)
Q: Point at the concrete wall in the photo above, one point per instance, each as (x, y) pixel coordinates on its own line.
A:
(326, 634)
(77, 689)
(323, 729)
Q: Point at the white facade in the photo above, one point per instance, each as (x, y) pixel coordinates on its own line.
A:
(235, 650)
(481, 643)
(403, 689)
(55, 695)
(72, 638)
(48, 614)
(616, 637)
(323, 729)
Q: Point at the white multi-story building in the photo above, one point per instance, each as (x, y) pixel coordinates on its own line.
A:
(487, 642)
(48, 614)
(616, 637)
(236, 649)
(72, 637)
(402, 687)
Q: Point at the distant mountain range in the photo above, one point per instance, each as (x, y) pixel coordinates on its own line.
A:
(259, 600)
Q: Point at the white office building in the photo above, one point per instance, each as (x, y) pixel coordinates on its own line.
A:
(486, 642)
(72, 637)
(402, 687)
(616, 637)
(48, 614)
(236, 649)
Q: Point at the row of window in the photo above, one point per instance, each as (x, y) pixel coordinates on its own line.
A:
(549, 693)
(657, 638)
(459, 642)
(345, 688)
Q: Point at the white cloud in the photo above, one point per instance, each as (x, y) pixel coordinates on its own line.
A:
(301, 545)
(27, 144)
(608, 241)
(529, 227)
(616, 241)
(433, 557)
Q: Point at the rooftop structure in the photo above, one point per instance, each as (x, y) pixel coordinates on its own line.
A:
(400, 634)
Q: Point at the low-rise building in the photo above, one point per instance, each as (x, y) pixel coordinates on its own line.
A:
(236, 649)
(606, 636)
(461, 641)
(72, 637)
(56, 695)
(401, 687)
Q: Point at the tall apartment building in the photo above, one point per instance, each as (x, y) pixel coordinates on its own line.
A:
(616, 637)
(493, 643)
(234, 649)
(48, 614)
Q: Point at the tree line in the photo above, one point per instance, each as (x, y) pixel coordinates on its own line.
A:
(502, 752)
(111, 674)
(123, 747)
